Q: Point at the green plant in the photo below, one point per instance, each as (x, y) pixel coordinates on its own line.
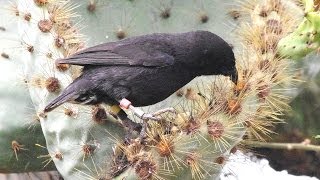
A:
(19, 128)
(304, 39)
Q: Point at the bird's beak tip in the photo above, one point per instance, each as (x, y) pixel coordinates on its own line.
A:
(234, 80)
(46, 109)
(54, 104)
(234, 76)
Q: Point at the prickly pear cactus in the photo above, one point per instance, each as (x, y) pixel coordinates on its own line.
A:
(77, 137)
(114, 20)
(212, 114)
(20, 129)
(305, 39)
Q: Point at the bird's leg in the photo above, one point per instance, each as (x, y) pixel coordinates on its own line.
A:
(157, 113)
(132, 126)
(126, 104)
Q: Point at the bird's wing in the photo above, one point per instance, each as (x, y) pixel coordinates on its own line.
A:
(129, 54)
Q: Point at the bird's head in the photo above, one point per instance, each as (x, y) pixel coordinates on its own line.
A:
(215, 56)
(78, 92)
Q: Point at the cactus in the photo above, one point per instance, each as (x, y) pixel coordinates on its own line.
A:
(305, 39)
(77, 137)
(212, 114)
(19, 123)
(114, 20)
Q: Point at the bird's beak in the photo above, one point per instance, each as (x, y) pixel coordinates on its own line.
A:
(234, 75)
(62, 98)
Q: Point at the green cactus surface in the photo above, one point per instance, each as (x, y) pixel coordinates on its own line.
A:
(20, 129)
(305, 39)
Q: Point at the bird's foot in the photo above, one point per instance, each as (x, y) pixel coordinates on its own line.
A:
(154, 116)
(146, 117)
(165, 110)
(143, 132)
(126, 104)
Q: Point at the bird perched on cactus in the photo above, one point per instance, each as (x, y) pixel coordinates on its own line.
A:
(144, 70)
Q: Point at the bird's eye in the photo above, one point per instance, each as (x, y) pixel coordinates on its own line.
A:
(83, 98)
(86, 99)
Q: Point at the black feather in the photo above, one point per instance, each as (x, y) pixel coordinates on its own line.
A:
(147, 69)
(131, 52)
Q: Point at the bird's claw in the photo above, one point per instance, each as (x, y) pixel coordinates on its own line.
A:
(154, 116)
(162, 111)
(146, 117)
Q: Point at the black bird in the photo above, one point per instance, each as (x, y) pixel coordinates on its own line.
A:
(145, 69)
